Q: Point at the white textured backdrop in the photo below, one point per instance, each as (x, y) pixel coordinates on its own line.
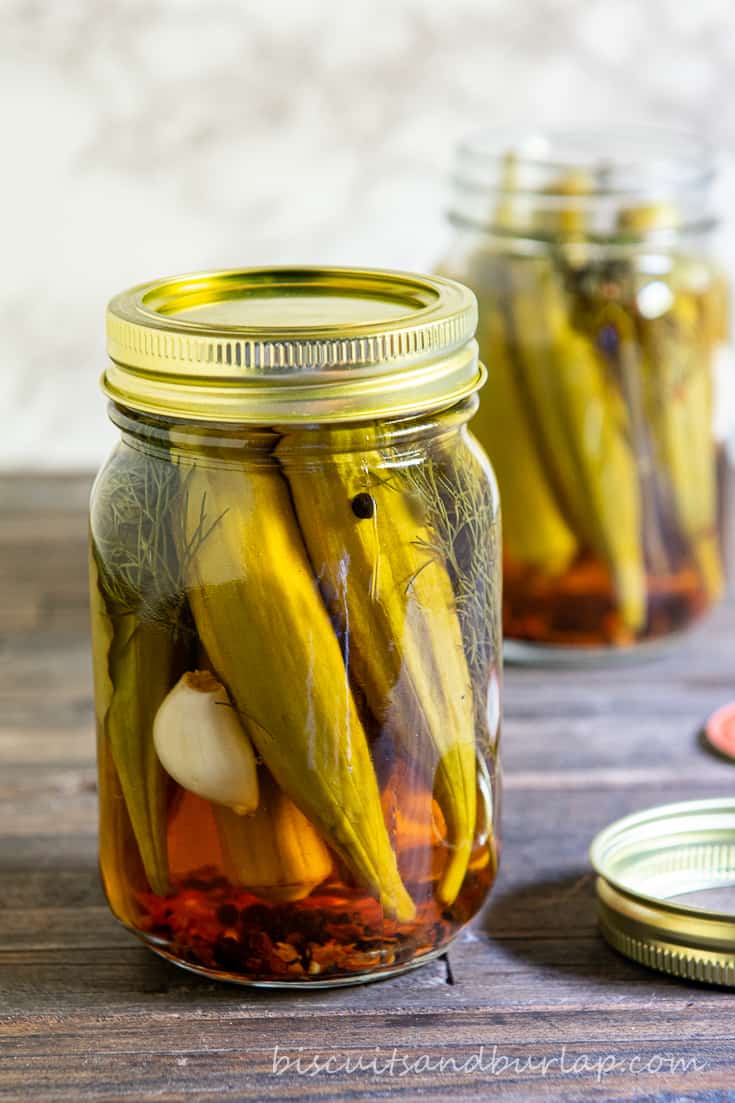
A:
(148, 137)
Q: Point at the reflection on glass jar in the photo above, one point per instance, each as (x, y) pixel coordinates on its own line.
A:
(604, 326)
(295, 604)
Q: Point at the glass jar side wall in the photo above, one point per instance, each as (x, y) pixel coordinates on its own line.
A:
(298, 693)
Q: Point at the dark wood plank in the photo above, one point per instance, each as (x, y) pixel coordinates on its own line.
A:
(86, 1012)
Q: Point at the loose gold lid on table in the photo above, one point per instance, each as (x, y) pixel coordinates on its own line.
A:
(645, 860)
(292, 345)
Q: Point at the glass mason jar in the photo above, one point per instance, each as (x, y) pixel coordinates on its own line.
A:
(604, 326)
(295, 587)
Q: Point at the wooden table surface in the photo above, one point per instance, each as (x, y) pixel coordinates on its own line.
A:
(87, 1013)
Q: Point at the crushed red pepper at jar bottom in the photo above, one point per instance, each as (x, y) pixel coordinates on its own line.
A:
(580, 606)
(336, 932)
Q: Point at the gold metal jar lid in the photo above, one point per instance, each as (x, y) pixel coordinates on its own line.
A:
(645, 862)
(285, 345)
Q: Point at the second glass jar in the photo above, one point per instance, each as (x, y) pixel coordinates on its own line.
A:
(604, 326)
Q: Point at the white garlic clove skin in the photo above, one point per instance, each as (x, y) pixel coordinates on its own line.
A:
(201, 743)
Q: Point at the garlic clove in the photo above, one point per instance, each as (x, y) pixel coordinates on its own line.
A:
(201, 743)
(276, 853)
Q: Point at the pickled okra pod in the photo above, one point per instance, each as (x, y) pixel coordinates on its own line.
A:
(582, 424)
(393, 602)
(680, 403)
(259, 615)
(457, 503)
(536, 534)
(571, 487)
(140, 643)
(678, 340)
(678, 347)
(116, 836)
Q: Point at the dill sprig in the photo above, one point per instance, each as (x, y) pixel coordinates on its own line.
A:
(140, 541)
(460, 515)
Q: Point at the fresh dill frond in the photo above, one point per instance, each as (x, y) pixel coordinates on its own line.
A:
(140, 512)
(459, 512)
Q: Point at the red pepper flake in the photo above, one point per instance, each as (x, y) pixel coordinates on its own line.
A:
(338, 932)
(286, 952)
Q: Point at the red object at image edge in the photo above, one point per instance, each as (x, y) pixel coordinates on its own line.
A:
(720, 730)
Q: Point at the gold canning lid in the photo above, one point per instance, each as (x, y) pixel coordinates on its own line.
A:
(285, 345)
(646, 863)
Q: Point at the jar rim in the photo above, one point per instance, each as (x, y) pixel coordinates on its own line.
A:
(292, 345)
(599, 171)
(679, 155)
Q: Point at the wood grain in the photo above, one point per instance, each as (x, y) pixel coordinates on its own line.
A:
(87, 1013)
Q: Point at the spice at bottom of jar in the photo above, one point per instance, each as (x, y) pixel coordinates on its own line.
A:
(579, 607)
(335, 932)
